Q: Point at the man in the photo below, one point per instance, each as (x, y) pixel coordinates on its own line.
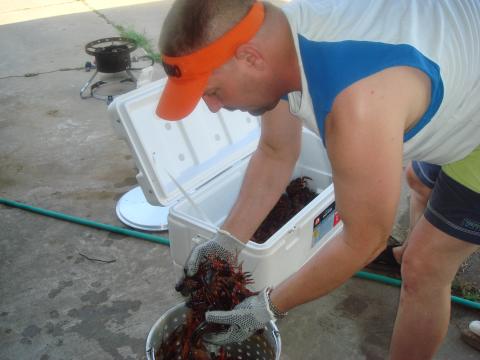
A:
(382, 83)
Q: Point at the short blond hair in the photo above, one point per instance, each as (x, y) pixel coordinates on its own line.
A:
(192, 24)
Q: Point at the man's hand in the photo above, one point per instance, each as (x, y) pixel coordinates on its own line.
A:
(247, 317)
(224, 245)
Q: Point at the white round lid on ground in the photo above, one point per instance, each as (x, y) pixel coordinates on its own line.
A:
(135, 211)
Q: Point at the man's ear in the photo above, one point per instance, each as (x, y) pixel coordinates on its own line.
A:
(249, 54)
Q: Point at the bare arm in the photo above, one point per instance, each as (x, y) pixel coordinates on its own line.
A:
(364, 141)
(268, 172)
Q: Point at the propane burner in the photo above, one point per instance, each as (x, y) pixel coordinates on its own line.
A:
(112, 55)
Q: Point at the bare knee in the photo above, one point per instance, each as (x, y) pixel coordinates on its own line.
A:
(420, 273)
(419, 189)
(414, 275)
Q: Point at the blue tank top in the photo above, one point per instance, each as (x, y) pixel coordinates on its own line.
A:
(339, 42)
(330, 67)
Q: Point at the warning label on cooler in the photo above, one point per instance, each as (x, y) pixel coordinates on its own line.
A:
(324, 222)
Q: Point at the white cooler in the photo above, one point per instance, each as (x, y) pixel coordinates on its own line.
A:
(207, 154)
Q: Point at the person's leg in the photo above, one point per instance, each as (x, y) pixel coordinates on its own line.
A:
(429, 265)
(446, 234)
(420, 178)
(420, 192)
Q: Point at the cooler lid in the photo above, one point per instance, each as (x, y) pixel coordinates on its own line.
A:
(193, 150)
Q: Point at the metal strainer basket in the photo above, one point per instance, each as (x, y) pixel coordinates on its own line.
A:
(258, 347)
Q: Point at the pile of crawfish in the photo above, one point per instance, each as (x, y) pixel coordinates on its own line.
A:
(217, 285)
(221, 285)
(296, 196)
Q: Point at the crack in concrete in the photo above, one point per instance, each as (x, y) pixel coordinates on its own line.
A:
(103, 16)
(28, 75)
(92, 9)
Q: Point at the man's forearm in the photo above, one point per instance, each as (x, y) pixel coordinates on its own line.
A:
(334, 264)
(265, 180)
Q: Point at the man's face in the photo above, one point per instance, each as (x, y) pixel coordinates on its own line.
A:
(231, 87)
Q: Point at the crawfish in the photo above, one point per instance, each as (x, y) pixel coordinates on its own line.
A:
(218, 285)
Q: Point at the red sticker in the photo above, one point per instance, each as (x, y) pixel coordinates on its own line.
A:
(336, 218)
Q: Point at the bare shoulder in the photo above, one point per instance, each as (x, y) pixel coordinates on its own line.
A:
(400, 93)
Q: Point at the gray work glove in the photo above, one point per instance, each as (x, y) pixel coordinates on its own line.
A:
(245, 319)
(224, 245)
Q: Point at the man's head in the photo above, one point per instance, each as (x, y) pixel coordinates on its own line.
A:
(225, 51)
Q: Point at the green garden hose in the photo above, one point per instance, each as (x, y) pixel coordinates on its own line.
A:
(160, 240)
(86, 222)
(398, 283)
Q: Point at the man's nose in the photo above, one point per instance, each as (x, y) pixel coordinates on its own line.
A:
(212, 102)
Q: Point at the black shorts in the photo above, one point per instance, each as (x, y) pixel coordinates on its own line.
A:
(453, 208)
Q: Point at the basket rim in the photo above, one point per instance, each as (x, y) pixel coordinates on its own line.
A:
(149, 348)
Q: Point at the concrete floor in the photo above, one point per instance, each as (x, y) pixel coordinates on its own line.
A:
(60, 152)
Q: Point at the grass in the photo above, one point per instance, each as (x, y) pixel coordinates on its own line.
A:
(465, 290)
(140, 39)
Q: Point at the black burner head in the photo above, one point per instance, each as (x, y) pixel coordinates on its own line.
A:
(111, 54)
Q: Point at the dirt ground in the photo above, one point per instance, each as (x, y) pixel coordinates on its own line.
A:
(469, 273)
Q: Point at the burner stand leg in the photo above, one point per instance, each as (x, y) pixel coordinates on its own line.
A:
(87, 84)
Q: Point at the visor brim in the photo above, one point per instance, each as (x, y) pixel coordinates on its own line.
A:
(180, 97)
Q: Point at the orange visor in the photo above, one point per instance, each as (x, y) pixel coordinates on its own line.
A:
(188, 75)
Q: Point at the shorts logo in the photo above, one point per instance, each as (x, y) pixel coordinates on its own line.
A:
(472, 225)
